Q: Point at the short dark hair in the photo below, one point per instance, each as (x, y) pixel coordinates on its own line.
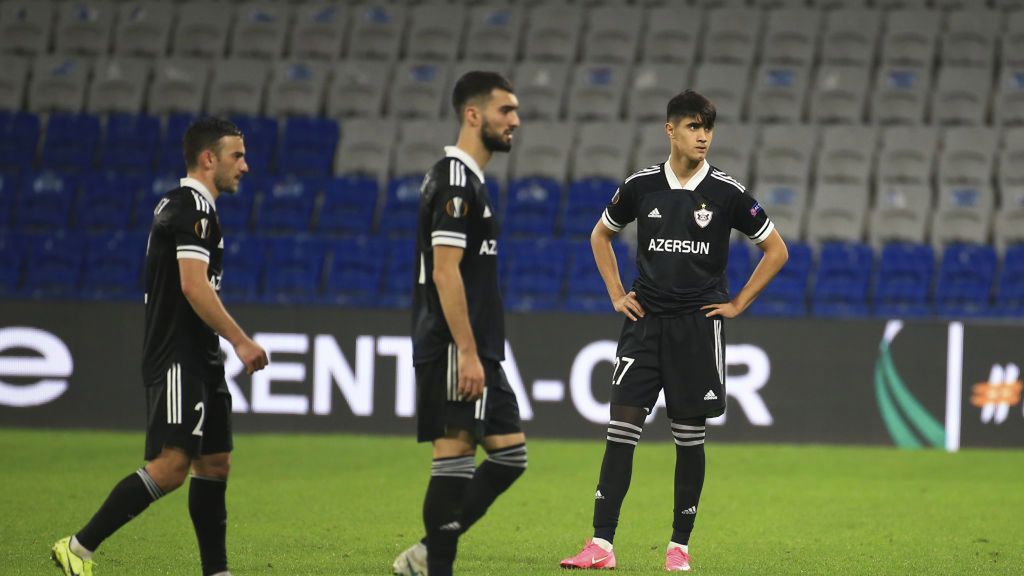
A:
(205, 134)
(476, 84)
(690, 103)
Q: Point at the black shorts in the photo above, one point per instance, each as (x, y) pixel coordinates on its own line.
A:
(438, 409)
(684, 355)
(187, 409)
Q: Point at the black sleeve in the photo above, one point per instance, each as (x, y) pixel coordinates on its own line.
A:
(188, 217)
(452, 204)
(750, 218)
(621, 209)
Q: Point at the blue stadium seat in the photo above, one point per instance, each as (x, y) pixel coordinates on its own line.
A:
(10, 185)
(260, 135)
(740, 265)
(294, 269)
(399, 273)
(46, 200)
(585, 290)
(307, 146)
(56, 262)
(113, 266)
(585, 203)
(288, 205)
(401, 207)
(786, 295)
(965, 280)
(235, 210)
(1010, 296)
(349, 205)
(354, 276)
(532, 207)
(12, 256)
(130, 143)
(19, 137)
(170, 156)
(154, 190)
(244, 258)
(71, 142)
(535, 271)
(904, 280)
(108, 200)
(843, 280)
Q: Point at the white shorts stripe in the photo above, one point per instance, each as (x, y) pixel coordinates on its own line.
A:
(718, 350)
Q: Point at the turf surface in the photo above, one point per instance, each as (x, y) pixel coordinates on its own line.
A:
(334, 505)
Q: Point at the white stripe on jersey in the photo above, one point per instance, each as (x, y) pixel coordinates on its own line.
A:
(194, 248)
(644, 172)
(728, 180)
(201, 204)
(763, 233)
(193, 253)
(450, 233)
(609, 223)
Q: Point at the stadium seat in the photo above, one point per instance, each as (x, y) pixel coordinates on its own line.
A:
(726, 85)
(532, 207)
(669, 39)
(237, 87)
(907, 155)
(202, 29)
(966, 196)
(603, 150)
(244, 260)
(260, 134)
(58, 84)
(1010, 292)
(1008, 103)
(652, 85)
(108, 200)
(354, 274)
(791, 37)
(904, 4)
(143, 28)
(460, 68)
(851, 37)
(260, 30)
(731, 150)
(585, 290)
(541, 88)
(377, 30)
(903, 281)
(235, 211)
(847, 156)
(966, 276)
(419, 89)
(19, 137)
(435, 35)
(553, 33)
(740, 265)
(597, 92)
(118, 86)
(962, 95)
(318, 31)
(399, 214)
(842, 280)
(53, 264)
(293, 272)
(288, 205)
(25, 26)
(612, 34)
(12, 255)
(732, 36)
(399, 269)
(543, 150)
(535, 272)
(84, 27)
(113, 266)
(179, 86)
(785, 154)
(170, 156)
(297, 88)
(366, 148)
(786, 295)
(70, 143)
(786, 203)
(1009, 218)
(911, 37)
(840, 94)
(969, 39)
(10, 188)
(350, 204)
(901, 214)
(838, 213)
(652, 146)
(358, 88)
(779, 94)
(900, 95)
(585, 203)
(494, 31)
(155, 189)
(307, 146)
(420, 145)
(968, 156)
(129, 143)
(13, 82)
(1011, 45)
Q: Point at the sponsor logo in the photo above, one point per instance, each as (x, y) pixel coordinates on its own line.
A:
(598, 495)
(690, 511)
(679, 246)
(702, 215)
(1001, 392)
(456, 207)
(489, 248)
(755, 209)
(48, 361)
(202, 228)
(487, 212)
(654, 214)
(710, 395)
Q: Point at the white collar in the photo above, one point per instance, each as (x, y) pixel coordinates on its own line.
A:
(199, 187)
(694, 180)
(456, 152)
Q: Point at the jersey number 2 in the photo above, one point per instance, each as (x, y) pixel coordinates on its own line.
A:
(624, 361)
(198, 430)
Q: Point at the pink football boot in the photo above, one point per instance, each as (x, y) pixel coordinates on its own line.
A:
(592, 557)
(676, 560)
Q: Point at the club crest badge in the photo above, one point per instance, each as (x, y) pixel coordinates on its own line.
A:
(702, 215)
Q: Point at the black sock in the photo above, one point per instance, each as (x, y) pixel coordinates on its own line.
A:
(494, 476)
(689, 438)
(127, 500)
(206, 505)
(616, 472)
(442, 508)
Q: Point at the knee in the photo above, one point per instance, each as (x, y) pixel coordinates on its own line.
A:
(168, 470)
(213, 466)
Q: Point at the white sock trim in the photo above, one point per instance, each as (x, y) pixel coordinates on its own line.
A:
(79, 550)
(672, 545)
(604, 544)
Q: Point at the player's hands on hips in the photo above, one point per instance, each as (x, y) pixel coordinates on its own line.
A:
(252, 355)
(629, 306)
(725, 310)
(471, 376)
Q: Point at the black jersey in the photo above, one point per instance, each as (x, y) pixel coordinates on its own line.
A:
(185, 225)
(456, 210)
(683, 234)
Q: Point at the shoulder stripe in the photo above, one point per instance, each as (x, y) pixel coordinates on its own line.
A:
(728, 180)
(611, 224)
(763, 233)
(456, 173)
(645, 172)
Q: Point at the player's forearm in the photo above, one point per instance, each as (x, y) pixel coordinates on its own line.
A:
(607, 264)
(207, 305)
(452, 293)
(775, 257)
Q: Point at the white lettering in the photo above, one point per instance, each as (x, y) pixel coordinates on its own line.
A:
(355, 385)
(489, 248)
(679, 246)
(232, 369)
(581, 379)
(265, 402)
(53, 365)
(515, 381)
(744, 388)
(405, 374)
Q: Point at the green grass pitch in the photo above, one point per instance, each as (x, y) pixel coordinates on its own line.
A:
(339, 504)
